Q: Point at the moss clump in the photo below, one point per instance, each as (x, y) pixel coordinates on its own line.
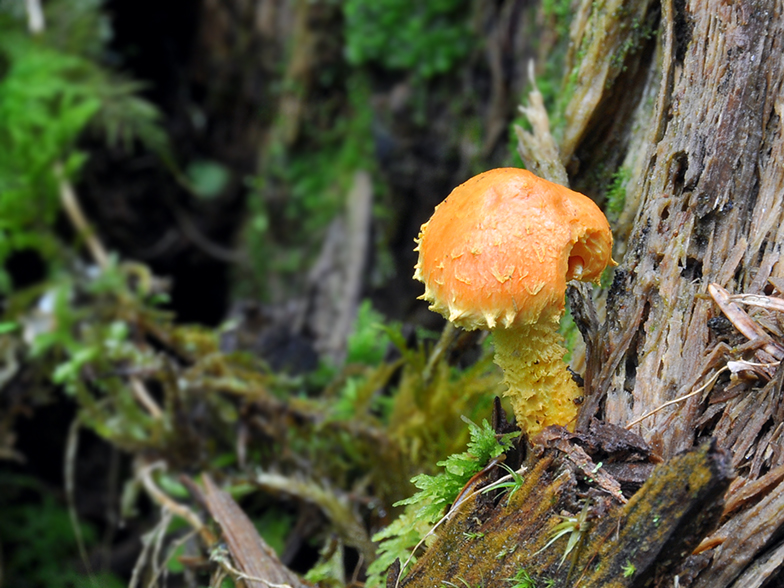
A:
(427, 38)
(435, 494)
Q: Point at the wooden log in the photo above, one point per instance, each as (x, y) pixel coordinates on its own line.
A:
(496, 537)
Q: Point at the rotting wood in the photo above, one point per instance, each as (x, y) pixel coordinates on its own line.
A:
(335, 280)
(743, 538)
(608, 41)
(695, 217)
(706, 196)
(493, 539)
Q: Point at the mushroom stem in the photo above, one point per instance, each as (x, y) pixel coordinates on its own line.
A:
(541, 389)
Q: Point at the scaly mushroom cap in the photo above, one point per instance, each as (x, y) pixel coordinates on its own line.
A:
(502, 246)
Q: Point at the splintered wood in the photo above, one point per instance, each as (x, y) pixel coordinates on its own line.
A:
(693, 336)
(708, 198)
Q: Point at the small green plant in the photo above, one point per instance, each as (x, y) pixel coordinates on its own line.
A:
(560, 11)
(574, 528)
(640, 32)
(49, 99)
(274, 526)
(366, 348)
(462, 581)
(629, 570)
(371, 337)
(8, 327)
(435, 494)
(207, 178)
(329, 570)
(522, 579)
(41, 539)
(510, 486)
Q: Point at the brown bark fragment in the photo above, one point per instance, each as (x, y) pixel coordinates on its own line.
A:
(252, 555)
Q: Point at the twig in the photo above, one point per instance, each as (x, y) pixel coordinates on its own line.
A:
(444, 341)
(112, 478)
(255, 559)
(768, 302)
(148, 540)
(75, 214)
(158, 546)
(145, 475)
(71, 448)
(143, 396)
(743, 321)
(765, 370)
(710, 382)
(195, 236)
(221, 556)
(98, 252)
(175, 545)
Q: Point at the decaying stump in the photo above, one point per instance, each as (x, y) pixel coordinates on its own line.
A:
(706, 195)
(707, 203)
(492, 538)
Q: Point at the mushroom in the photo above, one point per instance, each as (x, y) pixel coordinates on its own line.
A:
(496, 255)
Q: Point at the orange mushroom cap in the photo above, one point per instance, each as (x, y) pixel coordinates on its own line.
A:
(502, 246)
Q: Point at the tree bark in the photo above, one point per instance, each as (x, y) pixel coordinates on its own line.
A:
(706, 198)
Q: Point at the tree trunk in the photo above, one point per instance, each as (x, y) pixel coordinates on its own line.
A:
(706, 197)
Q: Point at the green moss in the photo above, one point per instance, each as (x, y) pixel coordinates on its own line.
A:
(427, 38)
(303, 188)
(522, 579)
(425, 507)
(616, 193)
(567, 93)
(48, 100)
(640, 31)
(629, 570)
(44, 550)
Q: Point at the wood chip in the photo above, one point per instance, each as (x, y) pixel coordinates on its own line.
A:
(253, 556)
